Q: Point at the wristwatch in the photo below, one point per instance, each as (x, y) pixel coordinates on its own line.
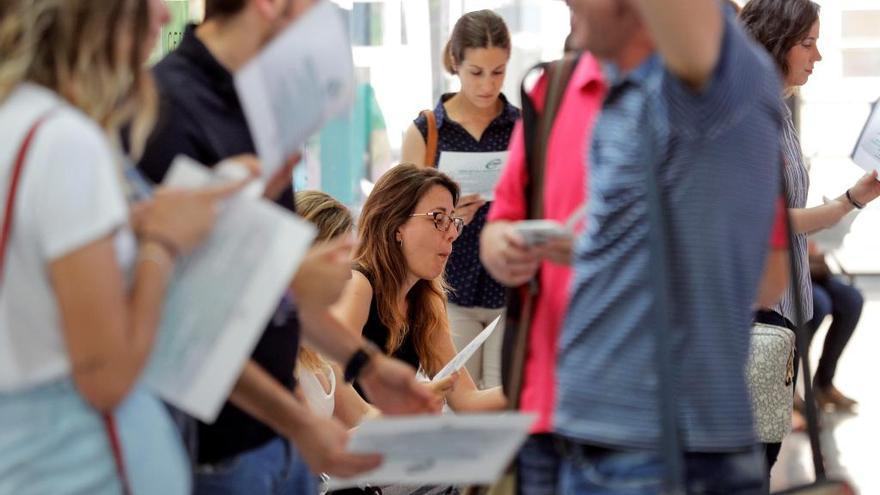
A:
(359, 360)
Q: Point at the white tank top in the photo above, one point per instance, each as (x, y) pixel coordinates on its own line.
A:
(321, 402)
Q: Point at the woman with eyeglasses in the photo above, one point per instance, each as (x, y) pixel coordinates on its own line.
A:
(476, 119)
(397, 295)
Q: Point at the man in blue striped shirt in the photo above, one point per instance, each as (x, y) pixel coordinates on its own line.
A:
(695, 102)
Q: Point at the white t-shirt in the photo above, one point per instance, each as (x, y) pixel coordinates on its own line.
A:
(70, 194)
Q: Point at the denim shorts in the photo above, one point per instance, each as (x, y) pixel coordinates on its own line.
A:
(52, 441)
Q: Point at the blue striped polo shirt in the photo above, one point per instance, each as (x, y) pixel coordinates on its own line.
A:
(716, 158)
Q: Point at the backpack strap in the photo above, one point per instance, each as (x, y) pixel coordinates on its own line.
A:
(521, 300)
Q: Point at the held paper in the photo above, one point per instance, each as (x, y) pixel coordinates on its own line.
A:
(438, 450)
(867, 151)
(476, 173)
(462, 357)
(221, 297)
(301, 79)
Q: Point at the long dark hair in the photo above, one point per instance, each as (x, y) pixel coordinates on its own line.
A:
(779, 25)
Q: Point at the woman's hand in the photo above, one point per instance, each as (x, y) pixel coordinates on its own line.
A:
(867, 189)
(444, 386)
(392, 387)
(467, 207)
(183, 218)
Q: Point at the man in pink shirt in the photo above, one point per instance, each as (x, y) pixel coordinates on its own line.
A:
(508, 259)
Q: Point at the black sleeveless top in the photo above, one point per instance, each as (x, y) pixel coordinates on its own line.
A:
(376, 331)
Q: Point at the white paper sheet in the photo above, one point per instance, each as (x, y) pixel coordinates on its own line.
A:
(438, 450)
(301, 79)
(476, 173)
(867, 151)
(221, 297)
(463, 355)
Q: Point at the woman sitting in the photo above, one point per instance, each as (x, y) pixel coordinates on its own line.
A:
(397, 296)
(321, 381)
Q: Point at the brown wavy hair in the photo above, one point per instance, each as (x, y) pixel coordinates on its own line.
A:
(71, 47)
(478, 29)
(778, 25)
(393, 200)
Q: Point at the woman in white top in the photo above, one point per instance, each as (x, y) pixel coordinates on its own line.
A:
(320, 381)
(82, 285)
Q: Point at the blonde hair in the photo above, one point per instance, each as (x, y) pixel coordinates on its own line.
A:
(332, 219)
(330, 216)
(392, 201)
(72, 47)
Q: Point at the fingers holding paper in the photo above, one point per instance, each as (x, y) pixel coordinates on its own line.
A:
(323, 273)
(444, 386)
(182, 218)
(867, 189)
(392, 387)
(323, 446)
(506, 255)
(467, 207)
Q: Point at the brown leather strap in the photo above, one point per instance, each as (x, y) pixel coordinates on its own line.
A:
(431, 139)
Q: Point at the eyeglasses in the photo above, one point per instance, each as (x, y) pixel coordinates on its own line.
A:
(442, 221)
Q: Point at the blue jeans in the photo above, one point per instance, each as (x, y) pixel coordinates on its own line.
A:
(273, 469)
(597, 471)
(538, 466)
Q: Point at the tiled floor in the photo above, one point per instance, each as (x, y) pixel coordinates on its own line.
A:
(851, 443)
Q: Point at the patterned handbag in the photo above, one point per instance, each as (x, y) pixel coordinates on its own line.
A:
(824, 485)
(770, 377)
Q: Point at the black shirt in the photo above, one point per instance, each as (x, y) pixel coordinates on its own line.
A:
(200, 116)
(376, 331)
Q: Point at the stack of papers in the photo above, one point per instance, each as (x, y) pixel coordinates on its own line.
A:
(221, 296)
(438, 450)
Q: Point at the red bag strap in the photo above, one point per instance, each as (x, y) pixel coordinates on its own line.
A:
(5, 231)
(116, 448)
(15, 177)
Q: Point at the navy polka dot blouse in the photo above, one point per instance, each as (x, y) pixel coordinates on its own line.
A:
(471, 285)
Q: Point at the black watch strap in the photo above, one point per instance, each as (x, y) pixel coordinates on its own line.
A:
(359, 360)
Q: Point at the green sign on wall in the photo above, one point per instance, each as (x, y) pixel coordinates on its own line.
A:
(172, 32)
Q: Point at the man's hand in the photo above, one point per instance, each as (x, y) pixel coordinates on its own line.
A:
(392, 387)
(282, 179)
(323, 273)
(322, 443)
(558, 251)
(506, 256)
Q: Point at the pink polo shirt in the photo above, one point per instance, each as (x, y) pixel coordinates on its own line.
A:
(565, 186)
